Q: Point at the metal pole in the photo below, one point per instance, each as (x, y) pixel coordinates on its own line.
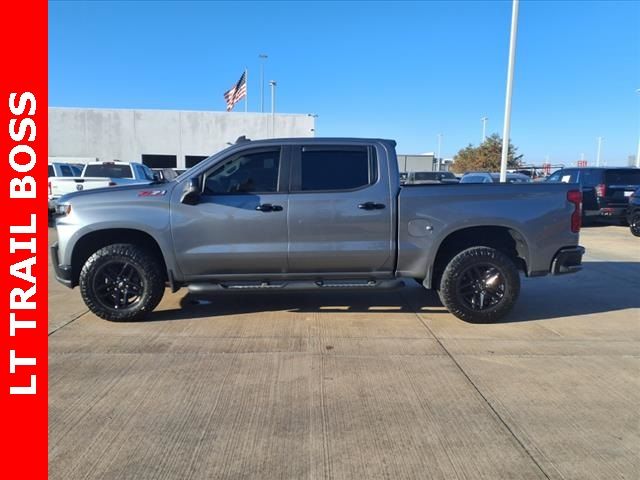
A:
(246, 90)
(273, 84)
(262, 57)
(484, 128)
(599, 149)
(638, 152)
(507, 105)
(439, 145)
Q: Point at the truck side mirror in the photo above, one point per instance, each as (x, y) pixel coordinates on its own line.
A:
(192, 191)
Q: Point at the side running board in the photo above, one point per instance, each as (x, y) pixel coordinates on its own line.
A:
(351, 284)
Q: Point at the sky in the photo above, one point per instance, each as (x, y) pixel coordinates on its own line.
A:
(402, 70)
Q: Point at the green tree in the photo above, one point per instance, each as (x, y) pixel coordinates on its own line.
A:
(485, 157)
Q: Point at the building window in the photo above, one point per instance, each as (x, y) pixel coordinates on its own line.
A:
(160, 161)
(193, 160)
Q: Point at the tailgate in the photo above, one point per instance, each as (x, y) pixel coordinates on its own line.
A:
(63, 185)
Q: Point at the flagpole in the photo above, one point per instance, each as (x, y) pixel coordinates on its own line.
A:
(246, 87)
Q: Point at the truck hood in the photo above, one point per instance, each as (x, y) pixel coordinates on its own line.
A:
(120, 192)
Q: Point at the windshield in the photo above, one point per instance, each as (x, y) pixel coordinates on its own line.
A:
(108, 171)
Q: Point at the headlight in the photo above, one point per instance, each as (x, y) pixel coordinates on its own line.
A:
(63, 209)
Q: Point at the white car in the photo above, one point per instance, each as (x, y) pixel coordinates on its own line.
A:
(99, 175)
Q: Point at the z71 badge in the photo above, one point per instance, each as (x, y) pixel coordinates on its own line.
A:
(152, 193)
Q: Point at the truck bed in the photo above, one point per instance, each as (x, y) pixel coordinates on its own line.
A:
(537, 212)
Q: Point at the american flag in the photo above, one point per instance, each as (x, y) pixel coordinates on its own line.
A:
(236, 93)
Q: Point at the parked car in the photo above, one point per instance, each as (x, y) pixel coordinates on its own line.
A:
(486, 177)
(431, 177)
(99, 175)
(633, 213)
(605, 190)
(60, 169)
(312, 213)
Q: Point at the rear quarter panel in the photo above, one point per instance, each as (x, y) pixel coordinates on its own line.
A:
(539, 213)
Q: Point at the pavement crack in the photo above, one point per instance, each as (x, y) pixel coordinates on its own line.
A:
(477, 389)
(67, 323)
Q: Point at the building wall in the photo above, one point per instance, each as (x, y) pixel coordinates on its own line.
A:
(416, 163)
(110, 134)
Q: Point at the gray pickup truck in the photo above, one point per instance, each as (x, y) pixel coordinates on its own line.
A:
(314, 213)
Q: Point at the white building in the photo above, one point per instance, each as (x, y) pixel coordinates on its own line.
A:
(160, 138)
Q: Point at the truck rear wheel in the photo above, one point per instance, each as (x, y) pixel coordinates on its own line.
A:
(634, 224)
(121, 282)
(480, 285)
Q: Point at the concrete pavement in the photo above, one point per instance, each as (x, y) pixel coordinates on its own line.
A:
(355, 385)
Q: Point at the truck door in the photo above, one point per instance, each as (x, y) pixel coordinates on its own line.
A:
(340, 211)
(240, 223)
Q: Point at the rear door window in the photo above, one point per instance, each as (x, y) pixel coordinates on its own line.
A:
(629, 176)
(334, 169)
(590, 178)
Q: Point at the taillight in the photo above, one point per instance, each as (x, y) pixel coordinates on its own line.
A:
(575, 197)
(50, 192)
(601, 190)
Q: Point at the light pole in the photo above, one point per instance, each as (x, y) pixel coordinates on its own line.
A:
(315, 127)
(507, 103)
(273, 84)
(439, 146)
(263, 57)
(638, 152)
(484, 128)
(599, 149)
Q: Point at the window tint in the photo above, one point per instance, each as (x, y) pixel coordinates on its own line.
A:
(334, 169)
(623, 177)
(473, 179)
(564, 176)
(52, 172)
(66, 171)
(426, 176)
(108, 170)
(249, 173)
(77, 171)
(590, 178)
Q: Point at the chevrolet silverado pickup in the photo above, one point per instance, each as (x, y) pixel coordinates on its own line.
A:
(313, 213)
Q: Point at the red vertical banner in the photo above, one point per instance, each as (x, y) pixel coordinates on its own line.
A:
(23, 229)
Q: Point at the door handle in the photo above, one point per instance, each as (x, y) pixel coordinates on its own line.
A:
(371, 206)
(267, 207)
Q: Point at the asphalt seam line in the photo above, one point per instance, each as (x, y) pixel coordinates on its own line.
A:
(486, 400)
(65, 324)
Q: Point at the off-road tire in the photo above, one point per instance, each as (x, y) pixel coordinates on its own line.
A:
(147, 268)
(634, 224)
(452, 298)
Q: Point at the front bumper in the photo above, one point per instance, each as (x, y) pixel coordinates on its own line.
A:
(63, 272)
(567, 260)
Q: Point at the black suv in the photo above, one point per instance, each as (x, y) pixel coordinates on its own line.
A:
(605, 191)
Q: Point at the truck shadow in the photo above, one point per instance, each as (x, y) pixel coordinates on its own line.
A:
(600, 287)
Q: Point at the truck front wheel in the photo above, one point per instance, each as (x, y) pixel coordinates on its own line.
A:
(480, 285)
(121, 282)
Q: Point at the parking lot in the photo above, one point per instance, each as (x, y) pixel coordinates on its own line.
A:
(356, 385)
